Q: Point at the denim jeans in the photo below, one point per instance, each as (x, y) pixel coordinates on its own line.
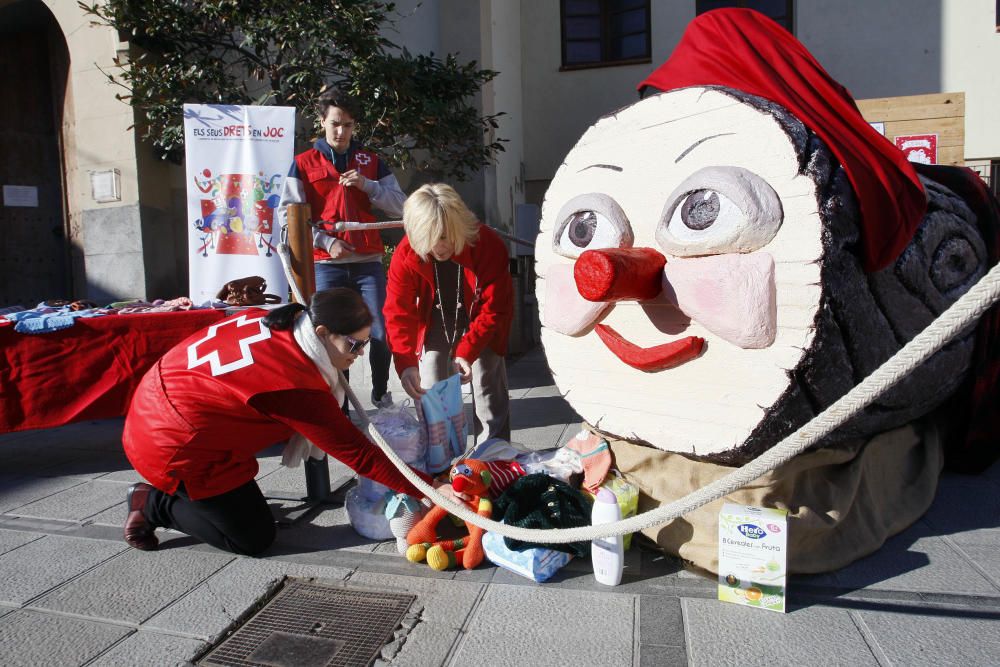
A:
(368, 279)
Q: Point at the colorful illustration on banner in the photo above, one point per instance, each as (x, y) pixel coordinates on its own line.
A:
(237, 213)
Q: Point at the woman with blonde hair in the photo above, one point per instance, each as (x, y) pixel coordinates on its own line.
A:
(449, 304)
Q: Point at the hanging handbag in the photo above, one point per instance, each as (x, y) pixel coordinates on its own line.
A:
(249, 291)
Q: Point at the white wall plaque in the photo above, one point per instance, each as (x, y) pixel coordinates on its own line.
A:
(20, 195)
(105, 186)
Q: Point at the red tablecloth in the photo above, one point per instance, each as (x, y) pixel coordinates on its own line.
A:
(88, 371)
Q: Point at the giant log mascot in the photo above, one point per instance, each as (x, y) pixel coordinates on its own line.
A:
(723, 259)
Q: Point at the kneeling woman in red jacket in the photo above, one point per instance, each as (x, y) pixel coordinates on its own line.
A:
(209, 405)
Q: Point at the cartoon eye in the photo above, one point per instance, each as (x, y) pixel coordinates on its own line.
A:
(461, 470)
(717, 210)
(590, 221)
(701, 209)
(581, 227)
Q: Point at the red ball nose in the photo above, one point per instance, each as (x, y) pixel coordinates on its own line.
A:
(459, 484)
(619, 274)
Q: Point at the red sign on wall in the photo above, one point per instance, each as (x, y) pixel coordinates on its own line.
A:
(918, 147)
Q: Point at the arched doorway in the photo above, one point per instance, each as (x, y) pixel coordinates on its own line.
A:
(34, 66)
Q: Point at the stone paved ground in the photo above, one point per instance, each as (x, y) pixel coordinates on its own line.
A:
(72, 593)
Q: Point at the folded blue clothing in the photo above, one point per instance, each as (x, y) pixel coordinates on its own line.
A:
(46, 320)
(537, 563)
(444, 417)
(25, 314)
(44, 323)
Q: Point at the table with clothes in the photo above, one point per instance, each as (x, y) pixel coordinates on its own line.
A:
(65, 362)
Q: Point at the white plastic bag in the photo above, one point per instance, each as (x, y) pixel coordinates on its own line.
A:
(372, 491)
(402, 432)
(496, 449)
(560, 463)
(405, 436)
(367, 516)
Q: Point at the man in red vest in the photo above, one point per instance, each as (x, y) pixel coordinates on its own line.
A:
(342, 181)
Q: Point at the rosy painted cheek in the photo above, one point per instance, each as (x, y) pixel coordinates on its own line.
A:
(565, 310)
(733, 296)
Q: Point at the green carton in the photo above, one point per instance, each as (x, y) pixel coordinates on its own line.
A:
(752, 558)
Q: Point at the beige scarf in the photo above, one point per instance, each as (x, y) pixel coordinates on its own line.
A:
(298, 447)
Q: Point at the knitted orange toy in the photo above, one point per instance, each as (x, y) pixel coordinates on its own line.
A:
(472, 478)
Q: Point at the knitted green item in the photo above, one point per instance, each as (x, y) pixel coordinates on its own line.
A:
(540, 501)
(125, 303)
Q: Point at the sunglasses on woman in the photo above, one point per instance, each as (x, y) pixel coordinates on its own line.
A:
(356, 346)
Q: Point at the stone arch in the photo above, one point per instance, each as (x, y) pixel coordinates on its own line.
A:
(35, 239)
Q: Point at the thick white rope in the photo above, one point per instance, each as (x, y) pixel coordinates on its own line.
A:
(953, 321)
(398, 224)
(365, 226)
(957, 318)
(286, 262)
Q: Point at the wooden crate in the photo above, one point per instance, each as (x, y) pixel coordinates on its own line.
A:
(942, 114)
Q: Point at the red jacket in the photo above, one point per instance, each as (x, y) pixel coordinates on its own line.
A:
(487, 291)
(325, 195)
(201, 414)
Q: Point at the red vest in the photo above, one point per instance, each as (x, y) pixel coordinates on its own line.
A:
(325, 195)
(190, 419)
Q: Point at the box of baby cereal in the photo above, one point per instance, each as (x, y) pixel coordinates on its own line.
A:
(752, 558)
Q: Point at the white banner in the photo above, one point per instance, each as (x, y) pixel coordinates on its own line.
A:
(237, 158)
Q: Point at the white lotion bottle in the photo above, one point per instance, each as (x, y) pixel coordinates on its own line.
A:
(607, 554)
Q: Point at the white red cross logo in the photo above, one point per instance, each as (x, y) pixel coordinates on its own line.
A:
(363, 158)
(226, 351)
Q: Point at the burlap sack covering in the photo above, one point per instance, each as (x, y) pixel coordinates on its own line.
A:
(842, 503)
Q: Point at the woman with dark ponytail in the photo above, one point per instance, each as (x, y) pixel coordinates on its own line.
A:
(201, 414)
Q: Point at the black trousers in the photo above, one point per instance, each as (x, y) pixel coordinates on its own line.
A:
(238, 521)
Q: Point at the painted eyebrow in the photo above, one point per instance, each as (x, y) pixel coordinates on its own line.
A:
(698, 143)
(612, 167)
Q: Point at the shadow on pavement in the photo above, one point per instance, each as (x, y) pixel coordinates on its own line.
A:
(932, 561)
(531, 412)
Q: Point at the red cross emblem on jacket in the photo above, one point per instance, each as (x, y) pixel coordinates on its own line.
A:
(226, 346)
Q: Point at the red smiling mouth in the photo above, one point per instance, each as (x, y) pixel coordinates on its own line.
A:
(650, 359)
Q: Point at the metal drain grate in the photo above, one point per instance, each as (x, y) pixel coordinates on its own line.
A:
(314, 625)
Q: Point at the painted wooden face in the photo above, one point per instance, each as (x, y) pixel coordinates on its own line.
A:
(680, 219)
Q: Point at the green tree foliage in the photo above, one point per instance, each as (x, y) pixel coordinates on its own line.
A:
(281, 52)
